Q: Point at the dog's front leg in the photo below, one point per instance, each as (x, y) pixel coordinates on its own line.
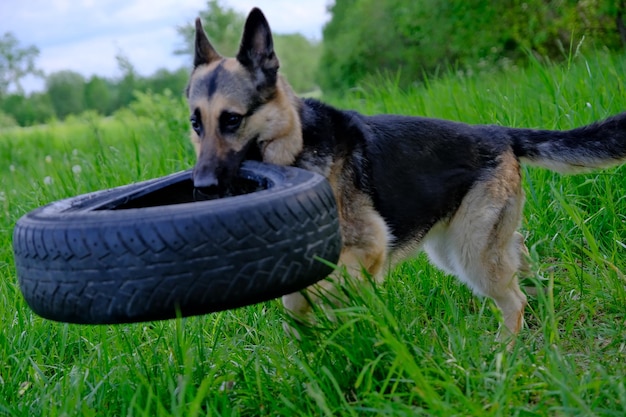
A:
(362, 258)
(328, 292)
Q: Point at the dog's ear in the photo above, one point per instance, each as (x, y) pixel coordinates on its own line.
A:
(256, 52)
(204, 51)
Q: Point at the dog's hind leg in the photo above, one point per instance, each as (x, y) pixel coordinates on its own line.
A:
(480, 244)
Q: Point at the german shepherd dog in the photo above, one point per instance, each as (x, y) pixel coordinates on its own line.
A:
(402, 184)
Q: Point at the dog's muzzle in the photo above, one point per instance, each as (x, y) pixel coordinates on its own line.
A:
(204, 176)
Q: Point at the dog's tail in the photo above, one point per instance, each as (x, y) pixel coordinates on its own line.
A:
(599, 145)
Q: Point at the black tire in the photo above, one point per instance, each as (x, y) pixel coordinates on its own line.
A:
(145, 252)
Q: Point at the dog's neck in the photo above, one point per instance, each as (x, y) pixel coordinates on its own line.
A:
(282, 143)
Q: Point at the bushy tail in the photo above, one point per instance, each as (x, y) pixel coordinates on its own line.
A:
(599, 145)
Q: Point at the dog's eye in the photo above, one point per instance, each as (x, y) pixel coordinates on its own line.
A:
(195, 124)
(230, 122)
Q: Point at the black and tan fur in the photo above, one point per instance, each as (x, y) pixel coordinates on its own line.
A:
(402, 184)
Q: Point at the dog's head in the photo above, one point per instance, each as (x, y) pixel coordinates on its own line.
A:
(240, 107)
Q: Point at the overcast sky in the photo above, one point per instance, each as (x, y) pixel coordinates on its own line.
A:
(86, 35)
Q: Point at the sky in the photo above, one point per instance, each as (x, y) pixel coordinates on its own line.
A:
(86, 35)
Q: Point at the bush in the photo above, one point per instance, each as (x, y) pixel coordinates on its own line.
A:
(423, 37)
(6, 121)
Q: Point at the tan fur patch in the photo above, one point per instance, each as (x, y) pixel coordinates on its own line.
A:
(480, 244)
(365, 234)
(281, 140)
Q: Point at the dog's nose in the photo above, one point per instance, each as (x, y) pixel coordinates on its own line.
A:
(203, 177)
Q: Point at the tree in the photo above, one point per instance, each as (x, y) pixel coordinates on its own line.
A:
(223, 25)
(421, 37)
(15, 63)
(609, 18)
(299, 58)
(67, 92)
(98, 95)
(163, 80)
(35, 109)
(359, 39)
(127, 85)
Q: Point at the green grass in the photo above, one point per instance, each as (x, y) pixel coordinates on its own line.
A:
(421, 344)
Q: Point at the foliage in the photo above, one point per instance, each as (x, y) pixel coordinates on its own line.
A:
(165, 112)
(298, 56)
(128, 82)
(15, 63)
(223, 26)
(409, 40)
(7, 121)
(67, 92)
(99, 95)
(164, 80)
(27, 111)
(366, 37)
(419, 345)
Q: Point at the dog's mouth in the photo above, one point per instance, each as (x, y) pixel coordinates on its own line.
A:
(236, 186)
(229, 184)
(253, 151)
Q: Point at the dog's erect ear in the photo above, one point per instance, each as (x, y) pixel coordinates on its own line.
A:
(204, 51)
(256, 52)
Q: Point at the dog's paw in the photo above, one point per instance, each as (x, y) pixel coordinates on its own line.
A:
(292, 331)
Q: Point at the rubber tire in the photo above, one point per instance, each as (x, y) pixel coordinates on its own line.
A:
(91, 259)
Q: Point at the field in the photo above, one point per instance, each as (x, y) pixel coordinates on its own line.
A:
(421, 344)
